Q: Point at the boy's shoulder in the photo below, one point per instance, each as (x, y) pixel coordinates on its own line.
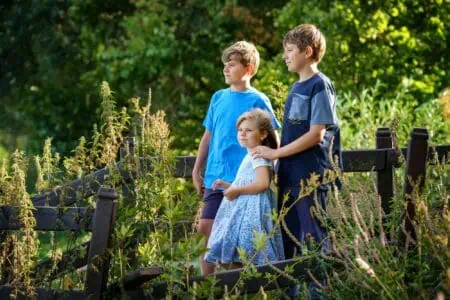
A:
(315, 84)
(251, 92)
(220, 92)
(320, 80)
(259, 94)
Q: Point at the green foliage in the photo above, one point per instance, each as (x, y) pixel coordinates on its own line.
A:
(361, 113)
(156, 213)
(18, 249)
(175, 47)
(398, 42)
(373, 267)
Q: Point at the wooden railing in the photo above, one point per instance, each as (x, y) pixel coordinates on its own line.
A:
(51, 216)
(100, 221)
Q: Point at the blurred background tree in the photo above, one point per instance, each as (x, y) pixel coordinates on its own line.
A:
(55, 54)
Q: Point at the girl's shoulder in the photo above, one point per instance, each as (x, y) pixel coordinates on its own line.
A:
(261, 162)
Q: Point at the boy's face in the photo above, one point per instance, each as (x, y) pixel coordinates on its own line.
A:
(235, 72)
(294, 59)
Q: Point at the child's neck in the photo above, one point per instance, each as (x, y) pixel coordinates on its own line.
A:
(241, 86)
(307, 72)
(250, 149)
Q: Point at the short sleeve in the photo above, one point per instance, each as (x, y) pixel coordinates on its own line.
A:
(323, 107)
(208, 122)
(267, 106)
(261, 162)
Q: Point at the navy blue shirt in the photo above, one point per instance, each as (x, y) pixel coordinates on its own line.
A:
(309, 102)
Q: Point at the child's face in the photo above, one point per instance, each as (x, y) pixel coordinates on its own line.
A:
(294, 59)
(235, 72)
(249, 135)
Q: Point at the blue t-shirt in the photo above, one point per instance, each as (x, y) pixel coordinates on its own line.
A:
(225, 154)
(309, 102)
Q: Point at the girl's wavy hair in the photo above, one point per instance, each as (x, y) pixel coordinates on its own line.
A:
(263, 123)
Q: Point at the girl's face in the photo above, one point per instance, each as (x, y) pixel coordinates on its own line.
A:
(249, 135)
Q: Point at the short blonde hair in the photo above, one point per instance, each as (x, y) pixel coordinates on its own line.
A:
(305, 35)
(263, 122)
(244, 52)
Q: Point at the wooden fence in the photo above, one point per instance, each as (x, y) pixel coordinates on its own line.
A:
(382, 160)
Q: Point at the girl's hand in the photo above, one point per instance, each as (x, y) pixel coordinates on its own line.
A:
(231, 193)
(220, 184)
(264, 152)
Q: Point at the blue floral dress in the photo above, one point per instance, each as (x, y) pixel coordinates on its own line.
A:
(237, 220)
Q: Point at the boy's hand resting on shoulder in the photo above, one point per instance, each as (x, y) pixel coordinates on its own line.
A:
(231, 193)
(264, 152)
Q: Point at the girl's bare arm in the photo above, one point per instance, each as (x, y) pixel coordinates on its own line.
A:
(261, 184)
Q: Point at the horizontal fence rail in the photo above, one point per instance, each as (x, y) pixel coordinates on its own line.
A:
(41, 294)
(353, 161)
(229, 279)
(70, 261)
(79, 189)
(49, 218)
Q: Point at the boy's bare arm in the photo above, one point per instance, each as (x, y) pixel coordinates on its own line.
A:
(258, 186)
(306, 141)
(277, 136)
(202, 154)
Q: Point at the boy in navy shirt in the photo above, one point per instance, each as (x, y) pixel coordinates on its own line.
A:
(310, 128)
(219, 145)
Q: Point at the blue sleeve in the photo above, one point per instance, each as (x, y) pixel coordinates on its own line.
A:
(267, 106)
(208, 122)
(323, 107)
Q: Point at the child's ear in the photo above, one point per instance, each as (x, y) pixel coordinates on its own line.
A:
(263, 135)
(309, 52)
(249, 69)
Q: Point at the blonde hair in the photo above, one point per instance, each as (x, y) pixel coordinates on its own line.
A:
(263, 123)
(244, 52)
(305, 35)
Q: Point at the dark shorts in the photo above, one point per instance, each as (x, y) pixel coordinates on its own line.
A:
(212, 201)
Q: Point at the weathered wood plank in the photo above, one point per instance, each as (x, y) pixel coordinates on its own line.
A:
(49, 218)
(385, 177)
(44, 294)
(98, 259)
(353, 161)
(79, 188)
(415, 175)
(442, 153)
(230, 278)
(134, 280)
(70, 261)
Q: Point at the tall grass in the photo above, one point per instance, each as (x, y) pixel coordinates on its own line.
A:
(157, 209)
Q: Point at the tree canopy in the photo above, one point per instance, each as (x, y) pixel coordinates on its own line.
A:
(56, 54)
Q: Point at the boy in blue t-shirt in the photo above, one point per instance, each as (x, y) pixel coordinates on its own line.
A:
(219, 146)
(310, 128)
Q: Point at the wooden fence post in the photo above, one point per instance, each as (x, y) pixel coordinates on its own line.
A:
(385, 177)
(128, 147)
(6, 267)
(98, 260)
(415, 174)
